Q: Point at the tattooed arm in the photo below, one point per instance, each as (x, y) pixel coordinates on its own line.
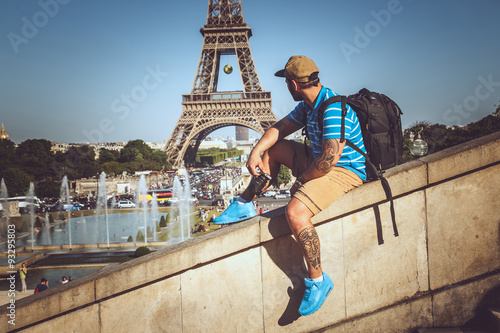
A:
(324, 163)
(330, 155)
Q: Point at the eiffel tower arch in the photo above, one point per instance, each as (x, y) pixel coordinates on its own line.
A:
(205, 109)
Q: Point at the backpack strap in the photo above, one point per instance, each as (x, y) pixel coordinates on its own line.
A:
(325, 104)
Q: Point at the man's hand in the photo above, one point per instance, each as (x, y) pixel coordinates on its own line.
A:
(254, 162)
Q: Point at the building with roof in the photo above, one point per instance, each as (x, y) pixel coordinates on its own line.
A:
(3, 135)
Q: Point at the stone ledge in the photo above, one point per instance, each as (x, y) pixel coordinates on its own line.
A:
(463, 158)
(215, 246)
(169, 261)
(53, 301)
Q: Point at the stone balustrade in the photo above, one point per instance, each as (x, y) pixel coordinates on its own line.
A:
(249, 277)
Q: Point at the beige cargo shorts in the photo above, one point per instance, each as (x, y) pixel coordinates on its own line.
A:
(317, 194)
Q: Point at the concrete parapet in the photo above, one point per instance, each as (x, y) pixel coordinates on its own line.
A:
(249, 277)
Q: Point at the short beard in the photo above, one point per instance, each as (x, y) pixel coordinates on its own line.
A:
(296, 96)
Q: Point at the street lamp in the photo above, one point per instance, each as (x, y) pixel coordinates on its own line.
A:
(418, 147)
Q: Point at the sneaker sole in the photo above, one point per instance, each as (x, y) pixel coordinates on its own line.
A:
(238, 219)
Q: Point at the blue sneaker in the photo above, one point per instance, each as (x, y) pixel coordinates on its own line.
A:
(315, 294)
(236, 212)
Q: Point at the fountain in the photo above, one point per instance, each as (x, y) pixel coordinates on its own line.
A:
(46, 230)
(183, 195)
(113, 201)
(142, 198)
(5, 205)
(90, 232)
(103, 202)
(154, 214)
(65, 198)
(31, 204)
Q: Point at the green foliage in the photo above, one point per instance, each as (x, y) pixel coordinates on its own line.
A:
(106, 156)
(47, 189)
(8, 156)
(78, 162)
(36, 158)
(130, 239)
(149, 232)
(112, 168)
(163, 222)
(141, 251)
(137, 155)
(17, 181)
(139, 237)
(284, 176)
(439, 137)
(214, 155)
(157, 227)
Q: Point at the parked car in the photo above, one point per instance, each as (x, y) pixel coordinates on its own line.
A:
(73, 206)
(269, 193)
(280, 196)
(90, 205)
(208, 195)
(125, 204)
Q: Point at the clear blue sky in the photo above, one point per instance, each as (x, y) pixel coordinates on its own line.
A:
(64, 80)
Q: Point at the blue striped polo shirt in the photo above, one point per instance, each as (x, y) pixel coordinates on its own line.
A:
(302, 115)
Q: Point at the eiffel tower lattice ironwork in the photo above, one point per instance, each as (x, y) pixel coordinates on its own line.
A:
(205, 109)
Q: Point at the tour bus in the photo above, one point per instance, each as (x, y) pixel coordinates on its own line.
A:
(162, 196)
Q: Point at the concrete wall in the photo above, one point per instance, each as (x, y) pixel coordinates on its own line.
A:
(248, 277)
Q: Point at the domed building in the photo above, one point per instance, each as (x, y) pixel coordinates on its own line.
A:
(3, 135)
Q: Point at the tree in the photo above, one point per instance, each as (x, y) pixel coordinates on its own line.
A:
(135, 149)
(139, 237)
(284, 176)
(112, 168)
(36, 158)
(8, 156)
(106, 156)
(163, 222)
(48, 189)
(88, 166)
(439, 137)
(141, 251)
(17, 181)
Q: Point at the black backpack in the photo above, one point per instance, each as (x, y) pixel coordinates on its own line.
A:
(380, 121)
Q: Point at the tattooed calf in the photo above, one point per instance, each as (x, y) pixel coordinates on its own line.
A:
(309, 242)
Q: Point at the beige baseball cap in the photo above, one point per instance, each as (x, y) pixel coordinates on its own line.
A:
(299, 68)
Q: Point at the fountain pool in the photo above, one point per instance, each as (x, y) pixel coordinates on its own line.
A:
(91, 230)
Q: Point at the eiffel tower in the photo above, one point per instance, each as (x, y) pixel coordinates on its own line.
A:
(206, 109)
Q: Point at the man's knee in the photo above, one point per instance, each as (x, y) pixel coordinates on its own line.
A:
(297, 213)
